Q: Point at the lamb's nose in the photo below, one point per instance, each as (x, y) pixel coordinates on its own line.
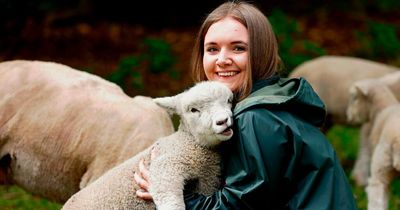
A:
(221, 122)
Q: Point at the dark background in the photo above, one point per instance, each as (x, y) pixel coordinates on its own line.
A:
(145, 46)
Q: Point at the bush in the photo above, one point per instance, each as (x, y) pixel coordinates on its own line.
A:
(293, 48)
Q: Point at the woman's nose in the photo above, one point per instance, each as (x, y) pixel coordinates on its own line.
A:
(223, 59)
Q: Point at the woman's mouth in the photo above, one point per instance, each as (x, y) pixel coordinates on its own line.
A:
(227, 73)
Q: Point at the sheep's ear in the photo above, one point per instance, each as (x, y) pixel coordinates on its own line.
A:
(168, 103)
(363, 89)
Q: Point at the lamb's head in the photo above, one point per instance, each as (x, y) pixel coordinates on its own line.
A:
(359, 104)
(205, 111)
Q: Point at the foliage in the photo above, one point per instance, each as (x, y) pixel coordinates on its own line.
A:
(156, 57)
(158, 52)
(294, 49)
(381, 5)
(126, 71)
(344, 138)
(380, 40)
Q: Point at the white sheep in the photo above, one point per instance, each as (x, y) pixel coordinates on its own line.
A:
(361, 167)
(189, 154)
(60, 128)
(373, 101)
(332, 76)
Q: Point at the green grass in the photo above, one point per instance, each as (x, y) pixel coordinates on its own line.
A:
(15, 198)
(344, 140)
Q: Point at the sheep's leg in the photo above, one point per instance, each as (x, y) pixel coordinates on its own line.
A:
(381, 177)
(360, 172)
(167, 183)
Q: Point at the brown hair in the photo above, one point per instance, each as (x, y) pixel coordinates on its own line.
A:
(263, 59)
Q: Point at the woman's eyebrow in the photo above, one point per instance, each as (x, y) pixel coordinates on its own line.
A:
(210, 43)
(234, 42)
(239, 42)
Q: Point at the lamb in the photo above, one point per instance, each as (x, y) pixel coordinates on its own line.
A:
(361, 167)
(372, 100)
(332, 76)
(61, 129)
(189, 154)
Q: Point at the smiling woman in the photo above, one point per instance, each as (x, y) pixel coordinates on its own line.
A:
(226, 54)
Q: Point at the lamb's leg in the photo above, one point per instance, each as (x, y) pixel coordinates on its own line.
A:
(360, 172)
(167, 183)
(396, 154)
(381, 177)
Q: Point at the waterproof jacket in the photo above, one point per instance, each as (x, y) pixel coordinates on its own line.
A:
(278, 158)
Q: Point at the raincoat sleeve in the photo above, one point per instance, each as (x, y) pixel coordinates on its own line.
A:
(253, 169)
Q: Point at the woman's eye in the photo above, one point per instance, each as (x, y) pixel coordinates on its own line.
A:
(211, 49)
(194, 110)
(239, 48)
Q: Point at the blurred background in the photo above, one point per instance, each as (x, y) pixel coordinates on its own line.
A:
(145, 47)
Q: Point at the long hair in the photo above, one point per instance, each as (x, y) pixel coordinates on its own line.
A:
(263, 60)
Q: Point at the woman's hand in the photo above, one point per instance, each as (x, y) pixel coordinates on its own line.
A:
(142, 178)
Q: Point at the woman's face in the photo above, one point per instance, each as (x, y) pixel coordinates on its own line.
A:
(226, 52)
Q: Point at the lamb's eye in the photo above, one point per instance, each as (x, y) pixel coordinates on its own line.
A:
(194, 110)
(230, 100)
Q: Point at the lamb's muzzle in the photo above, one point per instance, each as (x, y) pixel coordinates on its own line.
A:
(222, 123)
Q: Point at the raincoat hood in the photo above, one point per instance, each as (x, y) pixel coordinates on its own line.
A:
(289, 93)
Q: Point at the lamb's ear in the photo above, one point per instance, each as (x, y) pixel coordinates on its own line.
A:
(168, 103)
(362, 88)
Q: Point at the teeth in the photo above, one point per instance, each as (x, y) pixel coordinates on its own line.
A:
(226, 74)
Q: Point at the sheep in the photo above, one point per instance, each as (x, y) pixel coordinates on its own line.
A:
(61, 129)
(360, 170)
(191, 154)
(373, 101)
(331, 77)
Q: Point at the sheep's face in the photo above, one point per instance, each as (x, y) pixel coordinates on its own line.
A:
(358, 107)
(205, 112)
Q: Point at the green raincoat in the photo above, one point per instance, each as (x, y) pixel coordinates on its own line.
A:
(278, 158)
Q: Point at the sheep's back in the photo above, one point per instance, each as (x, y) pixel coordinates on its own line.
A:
(331, 77)
(63, 128)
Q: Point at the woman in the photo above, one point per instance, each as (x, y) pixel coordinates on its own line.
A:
(277, 158)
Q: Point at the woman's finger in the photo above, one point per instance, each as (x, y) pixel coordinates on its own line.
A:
(143, 171)
(143, 184)
(143, 195)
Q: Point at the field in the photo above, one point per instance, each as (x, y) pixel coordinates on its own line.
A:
(344, 139)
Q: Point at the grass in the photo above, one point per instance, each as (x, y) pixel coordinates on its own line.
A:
(15, 198)
(344, 140)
